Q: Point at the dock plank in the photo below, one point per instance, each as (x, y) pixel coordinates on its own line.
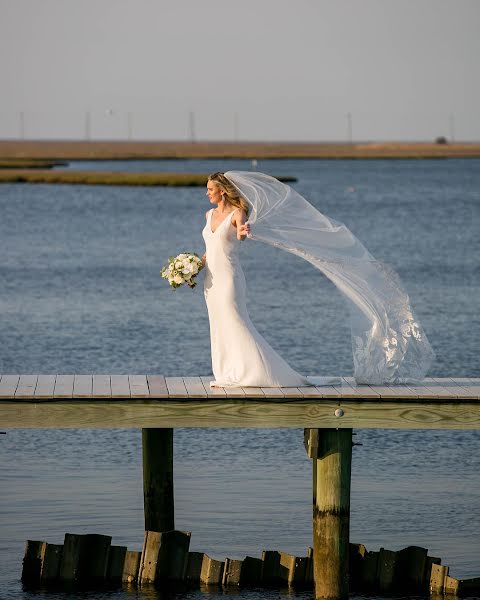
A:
(120, 386)
(472, 387)
(325, 386)
(101, 386)
(253, 392)
(351, 389)
(8, 385)
(26, 387)
(273, 392)
(437, 386)
(45, 387)
(195, 387)
(212, 392)
(176, 387)
(138, 386)
(82, 386)
(455, 387)
(234, 392)
(64, 386)
(157, 386)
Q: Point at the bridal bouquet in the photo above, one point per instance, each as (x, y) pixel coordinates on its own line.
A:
(182, 269)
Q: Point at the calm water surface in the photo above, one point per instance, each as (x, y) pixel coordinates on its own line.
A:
(80, 292)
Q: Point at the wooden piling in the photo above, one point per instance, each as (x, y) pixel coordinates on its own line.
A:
(386, 570)
(116, 563)
(131, 566)
(437, 579)
(251, 571)
(94, 557)
(51, 562)
(157, 447)
(164, 556)
(69, 565)
(194, 567)
(271, 567)
(331, 512)
(33, 561)
(232, 572)
(212, 571)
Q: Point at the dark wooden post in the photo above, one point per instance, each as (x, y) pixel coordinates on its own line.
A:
(332, 466)
(158, 479)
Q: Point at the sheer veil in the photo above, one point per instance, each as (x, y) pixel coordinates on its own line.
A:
(388, 342)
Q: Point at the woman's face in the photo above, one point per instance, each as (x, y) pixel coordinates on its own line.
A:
(213, 192)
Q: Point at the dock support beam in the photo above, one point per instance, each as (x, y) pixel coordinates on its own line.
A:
(332, 466)
(158, 479)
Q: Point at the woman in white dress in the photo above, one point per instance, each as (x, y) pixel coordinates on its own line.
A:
(241, 357)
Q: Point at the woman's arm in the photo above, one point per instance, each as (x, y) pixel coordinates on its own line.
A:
(240, 221)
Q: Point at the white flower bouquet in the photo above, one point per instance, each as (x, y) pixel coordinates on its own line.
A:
(181, 269)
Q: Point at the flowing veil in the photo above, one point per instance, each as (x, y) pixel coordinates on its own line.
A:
(388, 342)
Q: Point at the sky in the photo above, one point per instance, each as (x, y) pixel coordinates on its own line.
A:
(240, 70)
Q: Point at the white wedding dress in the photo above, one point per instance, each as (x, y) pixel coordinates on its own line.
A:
(241, 357)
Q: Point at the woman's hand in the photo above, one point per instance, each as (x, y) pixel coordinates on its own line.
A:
(244, 229)
(204, 259)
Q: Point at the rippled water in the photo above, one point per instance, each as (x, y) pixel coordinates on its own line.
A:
(80, 292)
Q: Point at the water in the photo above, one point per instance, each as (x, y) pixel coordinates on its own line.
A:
(80, 292)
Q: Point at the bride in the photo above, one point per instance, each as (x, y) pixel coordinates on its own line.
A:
(240, 355)
(388, 342)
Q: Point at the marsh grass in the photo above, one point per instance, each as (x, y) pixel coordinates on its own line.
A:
(110, 150)
(108, 178)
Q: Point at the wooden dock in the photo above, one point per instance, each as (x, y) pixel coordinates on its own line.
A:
(328, 413)
(140, 401)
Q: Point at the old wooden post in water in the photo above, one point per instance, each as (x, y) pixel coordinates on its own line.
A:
(158, 479)
(331, 453)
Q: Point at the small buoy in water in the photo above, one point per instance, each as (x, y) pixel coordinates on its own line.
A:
(350, 189)
(254, 163)
(339, 412)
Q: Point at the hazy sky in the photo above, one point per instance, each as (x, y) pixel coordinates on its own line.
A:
(250, 69)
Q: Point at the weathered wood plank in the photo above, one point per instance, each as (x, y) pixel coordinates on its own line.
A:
(394, 392)
(157, 386)
(82, 386)
(176, 387)
(8, 385)
(253, 392)
(299, 392)
(63, 386)
(45, 387)
(324, 387)
(234, 392)
(350, 389)
(436, 386)
(26, 387)
(272, 392)
(472, 387)
(138, 386)
(226, 412)
(120, 386)
(309, 391)
(195, 387)
(101, 386)
(450, 385)
(212, 392)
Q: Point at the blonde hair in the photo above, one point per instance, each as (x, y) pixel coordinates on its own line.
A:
(231, 193)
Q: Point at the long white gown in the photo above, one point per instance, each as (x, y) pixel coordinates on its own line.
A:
(240, 355)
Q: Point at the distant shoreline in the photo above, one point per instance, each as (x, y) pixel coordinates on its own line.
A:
(129, 150)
